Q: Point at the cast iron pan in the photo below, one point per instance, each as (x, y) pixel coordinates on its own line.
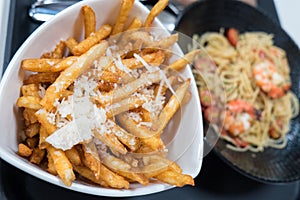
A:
(271, 165)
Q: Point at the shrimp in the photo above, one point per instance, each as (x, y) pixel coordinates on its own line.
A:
(239, 115)
(269, 80)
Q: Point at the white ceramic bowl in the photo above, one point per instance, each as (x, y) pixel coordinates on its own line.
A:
(186, 148)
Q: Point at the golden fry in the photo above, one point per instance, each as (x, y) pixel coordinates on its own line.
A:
(89, 18)
(30, 90)
(67, 77)
(64, 64)
(128, 89)
(29, 116)
(39, 65)
(24, 150)
(73, 156)
(187, 59)
(59, 50)
(42, 139)
(172, 106)
(92, 40)
(124, 12)
(92, 158)
(122, 168)
(156, 10)
(166, 42)
(37, 156)
(112, 179)
(32, 130)
(62, 165)
(42, 117)
(124, 105)
(88, 174)
(51, 168)
(135, 24)
(111, 141)
(173, 178)
(47, 77)
(71, 43)
(29, 102)
(32, 142)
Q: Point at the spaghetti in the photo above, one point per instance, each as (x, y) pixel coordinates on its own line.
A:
(255, 77)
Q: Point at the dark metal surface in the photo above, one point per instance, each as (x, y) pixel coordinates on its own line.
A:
(215, 181)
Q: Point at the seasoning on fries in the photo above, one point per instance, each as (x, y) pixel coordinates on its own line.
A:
(100, 111)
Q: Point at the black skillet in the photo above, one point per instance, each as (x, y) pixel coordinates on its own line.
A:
(271, 165)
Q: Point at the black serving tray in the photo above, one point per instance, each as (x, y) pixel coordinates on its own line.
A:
(215, 181)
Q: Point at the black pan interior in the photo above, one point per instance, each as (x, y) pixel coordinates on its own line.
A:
(272, 165)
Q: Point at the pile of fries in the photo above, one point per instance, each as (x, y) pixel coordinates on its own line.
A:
(96, 109)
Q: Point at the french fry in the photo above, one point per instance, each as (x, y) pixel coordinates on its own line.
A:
(122, 168)
(89, 18)
(24, 150)
(173, 178)
(155, 58)
(42, 139)
(131, 126)
(113, 163)
(92, 158)
(73, 156)
(111, 141)
(64, 64)
(112, 179)
(30, 90)
(32, 130)
(51, 168)
(46, 55)
(71, 43)
(92, 40)
(109, 76)
(135, 24)
(155, 11)
(32, 142)
(39, 65)
(153, 169)
(124, 12)
(126, 138)
(37, 156)
(172, 106)
(31, 102)
(124, 105)
(88, 174)
(126, 90)
(187, 59)
(43, 119)
(47, 77)
(171, 165)
(165, 43)
(67, 77)
(59, 50)
(29, 116)
(62, 165)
